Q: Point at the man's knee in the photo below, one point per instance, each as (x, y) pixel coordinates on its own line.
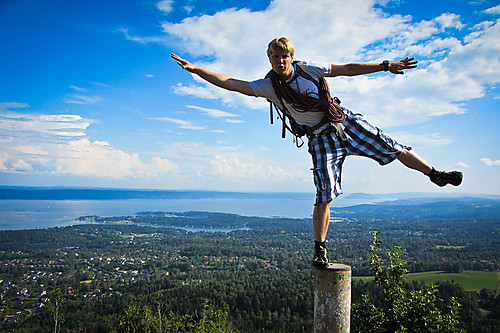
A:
(405, 153)
(321, 209)
(323, 206)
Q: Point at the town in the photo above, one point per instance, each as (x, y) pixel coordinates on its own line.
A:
(104, 266)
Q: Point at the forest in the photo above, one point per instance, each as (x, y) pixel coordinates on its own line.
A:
(115, 274)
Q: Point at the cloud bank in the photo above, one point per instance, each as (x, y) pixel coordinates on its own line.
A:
(452, 70)
(58, 144)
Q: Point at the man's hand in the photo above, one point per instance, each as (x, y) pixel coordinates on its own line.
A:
(217, 79)
(398, 66)
(184, 63)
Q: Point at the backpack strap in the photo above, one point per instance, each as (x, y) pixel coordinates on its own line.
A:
(288, 123)
(304, 74)
(297, 130)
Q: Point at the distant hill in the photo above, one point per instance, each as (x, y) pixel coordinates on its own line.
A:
(75, 193)
(357, 196)
(424, 208)
(360, 205)
(55, 193)
(466, 209)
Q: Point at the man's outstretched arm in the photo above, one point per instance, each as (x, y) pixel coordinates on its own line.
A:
(354, 69)
(217, 79)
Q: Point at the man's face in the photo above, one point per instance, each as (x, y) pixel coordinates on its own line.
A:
(281, 63)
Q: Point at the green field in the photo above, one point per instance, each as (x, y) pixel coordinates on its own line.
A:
(470, 280)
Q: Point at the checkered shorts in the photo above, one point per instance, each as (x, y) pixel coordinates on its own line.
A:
(328, 152)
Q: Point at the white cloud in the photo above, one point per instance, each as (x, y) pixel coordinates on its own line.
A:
(21, 166)
(224, 162)
(477, 60)
(449, 21)
(241, 52)
(437, 47)
(99, 84)
(30, 150)
(97, 159)
(139, 39)
(490, 162)
(182, 123)
(61, 118)
(234, 121)
(82, 99)
(236, 169)
(78, 88)
(4, 106)
(15, 124)
(214, 113)
(199, 91)
(83, 96)
(493, 10)
(197, 151)
(165, 6)
(422, 140)
(47, 144)
(3, 159)
(451, 70)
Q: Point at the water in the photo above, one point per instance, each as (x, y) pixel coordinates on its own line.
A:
(40, 214)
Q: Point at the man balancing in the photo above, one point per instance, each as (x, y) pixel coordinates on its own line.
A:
(300, 93)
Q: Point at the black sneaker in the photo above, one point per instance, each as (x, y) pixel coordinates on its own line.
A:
(442, 178)
(320, 260)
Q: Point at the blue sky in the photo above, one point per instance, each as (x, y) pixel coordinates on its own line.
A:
(90, 97)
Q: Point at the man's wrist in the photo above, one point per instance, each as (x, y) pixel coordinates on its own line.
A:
(385, 65)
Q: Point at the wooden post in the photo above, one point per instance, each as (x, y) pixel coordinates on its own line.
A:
(332, 299)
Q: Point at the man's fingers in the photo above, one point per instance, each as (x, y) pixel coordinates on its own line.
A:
(175, 56)
(179, 59)
(181, 62)
(410, 62)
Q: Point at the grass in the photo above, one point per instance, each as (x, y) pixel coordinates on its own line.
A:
(470, 280)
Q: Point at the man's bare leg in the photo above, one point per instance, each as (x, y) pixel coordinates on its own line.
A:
(321, 220)
(411, 159)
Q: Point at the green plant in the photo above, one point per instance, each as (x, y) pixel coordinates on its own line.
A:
(401, 310)
(53, 309)
(144, 320)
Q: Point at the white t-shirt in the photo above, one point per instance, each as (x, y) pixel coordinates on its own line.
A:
(264, 88)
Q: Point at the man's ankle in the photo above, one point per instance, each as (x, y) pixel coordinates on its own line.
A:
(432, 172)
(319, 244)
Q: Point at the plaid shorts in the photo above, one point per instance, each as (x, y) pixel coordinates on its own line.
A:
(328, 152)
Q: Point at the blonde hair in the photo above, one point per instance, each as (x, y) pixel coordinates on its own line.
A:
(283, 43)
